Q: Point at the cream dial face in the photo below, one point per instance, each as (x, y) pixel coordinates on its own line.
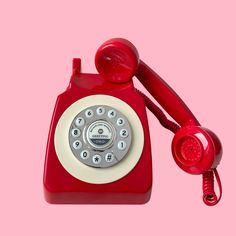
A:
(114, 154)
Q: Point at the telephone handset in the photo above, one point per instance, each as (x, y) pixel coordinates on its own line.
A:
(99, 145)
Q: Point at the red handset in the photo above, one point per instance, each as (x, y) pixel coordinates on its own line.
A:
(99, 149)
(196, 150)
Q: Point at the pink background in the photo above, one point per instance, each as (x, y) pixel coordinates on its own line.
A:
(189, 43)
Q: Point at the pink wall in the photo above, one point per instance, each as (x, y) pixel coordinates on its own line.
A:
(191, 44)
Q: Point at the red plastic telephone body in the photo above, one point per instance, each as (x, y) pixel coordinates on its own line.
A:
(60, 186)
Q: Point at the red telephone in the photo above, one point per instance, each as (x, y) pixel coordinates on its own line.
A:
(98, 147)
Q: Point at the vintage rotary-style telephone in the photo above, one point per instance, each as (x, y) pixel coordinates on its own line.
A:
(98, 147)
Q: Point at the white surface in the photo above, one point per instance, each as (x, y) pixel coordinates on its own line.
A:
(91, 174)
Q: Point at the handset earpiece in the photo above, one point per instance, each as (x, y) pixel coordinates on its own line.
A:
(117, 60)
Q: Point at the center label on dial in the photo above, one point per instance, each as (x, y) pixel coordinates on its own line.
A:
(100, 134)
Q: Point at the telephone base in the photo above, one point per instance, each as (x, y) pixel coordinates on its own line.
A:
(97, 198)
(133, 187)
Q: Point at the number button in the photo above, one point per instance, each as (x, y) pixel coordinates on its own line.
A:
(79, 121)
(120, 121)
(124, 133)
(75, 132)
(84, 154)
(111, 113)
(77, 144)
(109, 157)
(97, 159)
(89, 113)
(100, 110)
(121, 145)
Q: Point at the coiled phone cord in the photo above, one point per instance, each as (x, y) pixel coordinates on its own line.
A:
(209, 196)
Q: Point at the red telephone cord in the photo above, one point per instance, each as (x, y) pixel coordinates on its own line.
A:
(209, 196)
(159, 114)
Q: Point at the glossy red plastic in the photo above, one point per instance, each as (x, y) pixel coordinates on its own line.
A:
(196, 149)
(117, 60)
(61, 187)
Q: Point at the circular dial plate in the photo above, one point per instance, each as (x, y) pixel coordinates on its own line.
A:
(100, 136)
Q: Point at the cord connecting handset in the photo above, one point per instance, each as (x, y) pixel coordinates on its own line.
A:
(195, 149)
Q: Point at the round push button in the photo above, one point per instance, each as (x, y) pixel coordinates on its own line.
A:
(109, 157)
(120, 121)
(75, 133)
(97, 159)
(79, 121)
(100, 110)
(121, 145)
(124, 133)
(111, 114)
(89, 113)
(77, 144)
(84, 154)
